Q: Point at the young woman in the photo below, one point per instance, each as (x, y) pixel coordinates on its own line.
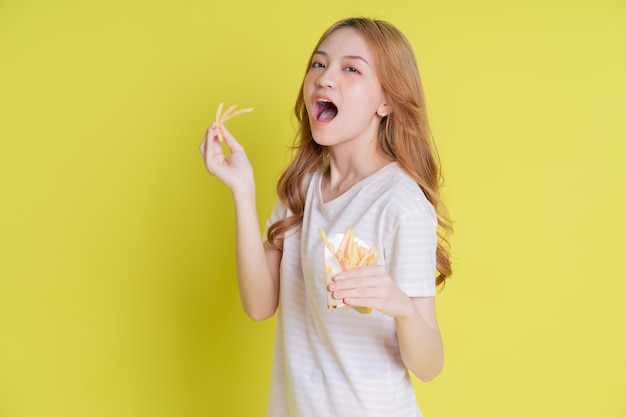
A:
(363, 159)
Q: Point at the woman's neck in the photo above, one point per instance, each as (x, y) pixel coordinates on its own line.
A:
(346, 170)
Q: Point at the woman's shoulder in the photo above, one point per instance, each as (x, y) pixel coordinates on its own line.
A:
(399, 184)
(401, 193)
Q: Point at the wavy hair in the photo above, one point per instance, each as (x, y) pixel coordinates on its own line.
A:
(403, 135)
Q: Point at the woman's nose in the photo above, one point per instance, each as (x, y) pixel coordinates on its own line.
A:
(325, 80)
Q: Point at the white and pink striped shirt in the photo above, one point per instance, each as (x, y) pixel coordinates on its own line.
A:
(339, 363)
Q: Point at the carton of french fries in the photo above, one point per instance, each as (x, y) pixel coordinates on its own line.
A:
(344, 251)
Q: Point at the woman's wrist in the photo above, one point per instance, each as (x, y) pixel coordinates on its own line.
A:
(406, 310)
(244, 191)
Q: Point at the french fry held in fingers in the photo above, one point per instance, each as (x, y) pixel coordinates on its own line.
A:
(343, 252)
(221, 118)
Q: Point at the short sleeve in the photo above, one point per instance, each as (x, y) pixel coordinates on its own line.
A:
(278, 212)
(410, 253)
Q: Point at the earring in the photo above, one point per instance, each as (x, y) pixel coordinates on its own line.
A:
(382, 114)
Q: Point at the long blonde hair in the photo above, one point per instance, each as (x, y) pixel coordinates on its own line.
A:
(404, 134)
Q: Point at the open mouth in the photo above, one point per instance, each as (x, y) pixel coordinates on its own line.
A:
(324, 110)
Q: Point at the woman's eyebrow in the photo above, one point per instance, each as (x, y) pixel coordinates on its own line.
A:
(358, 57)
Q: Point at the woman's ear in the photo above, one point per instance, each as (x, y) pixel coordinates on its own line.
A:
(383, 110)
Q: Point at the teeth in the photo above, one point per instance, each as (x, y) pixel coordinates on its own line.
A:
(323, 100)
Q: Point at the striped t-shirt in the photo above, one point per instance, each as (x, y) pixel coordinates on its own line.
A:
(338, 362)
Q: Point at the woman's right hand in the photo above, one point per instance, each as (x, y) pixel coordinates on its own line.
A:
(233, 170)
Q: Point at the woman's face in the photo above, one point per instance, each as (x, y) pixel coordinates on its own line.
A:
(342, 93)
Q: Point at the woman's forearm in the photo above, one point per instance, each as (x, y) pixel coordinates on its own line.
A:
(420, 341)
(258, 281)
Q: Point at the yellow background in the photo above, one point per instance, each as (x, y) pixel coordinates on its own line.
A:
(117, 286)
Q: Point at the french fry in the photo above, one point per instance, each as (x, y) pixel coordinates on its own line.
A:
(350, 253)
(362, 252)
(344, 242)
(325, 241)
(221, 118)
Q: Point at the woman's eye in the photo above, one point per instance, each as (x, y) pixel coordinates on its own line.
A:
(351, 69)
(317, 65)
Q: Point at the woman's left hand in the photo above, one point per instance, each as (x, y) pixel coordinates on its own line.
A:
(371, 286)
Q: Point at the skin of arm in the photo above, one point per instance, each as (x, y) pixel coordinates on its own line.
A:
(257, 265)
(420, 341)
(418, 333)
